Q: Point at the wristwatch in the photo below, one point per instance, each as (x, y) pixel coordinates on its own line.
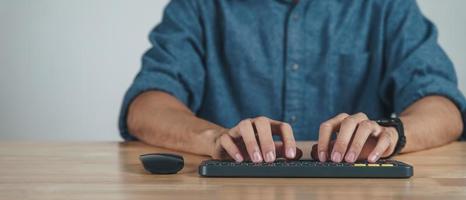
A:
(398, 125)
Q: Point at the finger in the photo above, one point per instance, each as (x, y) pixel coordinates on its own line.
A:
(286, 133)
(264, 132)
(249, 138)
(347, 128)
(365, 128)
(314, 150)
(382, 145)
(230, 147)
(281, 152)
(325, 133)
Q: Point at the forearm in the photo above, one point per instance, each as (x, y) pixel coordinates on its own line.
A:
(430, 122)
(159, 119)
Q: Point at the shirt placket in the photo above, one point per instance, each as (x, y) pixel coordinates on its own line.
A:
(293, 101)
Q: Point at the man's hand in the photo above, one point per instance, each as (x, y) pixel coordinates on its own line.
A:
(252, 139)
(357, 138)
(178, 128)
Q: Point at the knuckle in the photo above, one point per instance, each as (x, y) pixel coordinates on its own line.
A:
(232, 131)
(251, 144)
(375, 125)
(376, 132)
(367, 124)
(357, 146)
(326, 125)
(343, 115)
(340, 145)
(342, 142)
(268, 146)
(349, 121)
(265, 138)
(262, 119)
(378, 128)
(224, 138)
(285, 126)
(243, 125)
(244, 122)
(361, 114)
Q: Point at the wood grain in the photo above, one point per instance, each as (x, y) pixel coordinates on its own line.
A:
(111, 170)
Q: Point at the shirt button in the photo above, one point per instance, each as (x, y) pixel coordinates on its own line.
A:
(293, 119)
(295, 67)
(295, 17)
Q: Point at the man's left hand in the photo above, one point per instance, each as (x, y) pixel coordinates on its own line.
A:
(358, 138)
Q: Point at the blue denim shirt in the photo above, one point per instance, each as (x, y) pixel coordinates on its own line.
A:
(302, 62)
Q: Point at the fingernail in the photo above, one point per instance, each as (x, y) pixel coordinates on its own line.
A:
(350, 157)
(270, 157)
(322, 156)
(257, 157)
(374, 158)
(291, 153)
(336, 157)
(238, 157)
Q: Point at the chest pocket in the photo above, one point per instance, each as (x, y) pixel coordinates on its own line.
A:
(349, 77)
(339, 78)
(350, 67)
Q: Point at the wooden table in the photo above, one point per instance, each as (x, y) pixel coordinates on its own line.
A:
(111, 170)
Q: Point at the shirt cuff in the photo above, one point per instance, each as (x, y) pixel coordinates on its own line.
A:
(144, 83)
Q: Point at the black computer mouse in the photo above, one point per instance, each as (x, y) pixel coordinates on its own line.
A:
(162, 163)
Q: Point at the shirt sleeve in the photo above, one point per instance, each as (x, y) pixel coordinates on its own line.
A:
(174, 63)
(416, 66)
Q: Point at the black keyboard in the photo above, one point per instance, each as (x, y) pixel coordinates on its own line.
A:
(306, 168)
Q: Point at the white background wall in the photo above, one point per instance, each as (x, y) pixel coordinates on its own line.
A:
(65, 64)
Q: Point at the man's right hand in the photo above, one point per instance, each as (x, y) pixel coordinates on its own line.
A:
(251, 139)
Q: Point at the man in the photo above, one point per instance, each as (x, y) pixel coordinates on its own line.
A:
(223, 77)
